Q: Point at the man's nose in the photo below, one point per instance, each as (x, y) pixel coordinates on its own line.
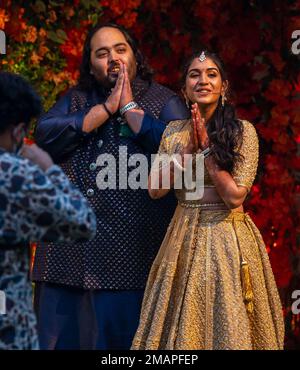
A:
(113, 56)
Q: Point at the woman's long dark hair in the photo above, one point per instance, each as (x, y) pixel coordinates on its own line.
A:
(224, 129)
(87, 81)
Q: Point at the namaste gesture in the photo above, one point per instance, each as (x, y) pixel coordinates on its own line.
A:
(199, 138)
(199, 129)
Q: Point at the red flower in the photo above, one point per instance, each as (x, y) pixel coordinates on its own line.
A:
(277, 91)
(281, 265)
(28, 141)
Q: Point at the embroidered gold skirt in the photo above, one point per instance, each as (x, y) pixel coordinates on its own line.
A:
(194, 295)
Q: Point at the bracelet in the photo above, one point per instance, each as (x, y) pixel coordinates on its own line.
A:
(206, 152)
(107, 110)
(127, 107)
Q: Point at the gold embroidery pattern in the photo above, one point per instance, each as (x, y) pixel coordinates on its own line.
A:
(177, 135)
(194, 298)
(244, 172)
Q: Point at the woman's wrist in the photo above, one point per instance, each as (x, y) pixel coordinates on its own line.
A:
(203, 147)
(205, 151)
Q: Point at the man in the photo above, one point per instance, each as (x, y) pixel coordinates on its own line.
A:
(37, 203)
(89, 295)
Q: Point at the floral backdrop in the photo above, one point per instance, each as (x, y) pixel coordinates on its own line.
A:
(44, 43)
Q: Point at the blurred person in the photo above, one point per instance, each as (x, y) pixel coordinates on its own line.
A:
(37, 203)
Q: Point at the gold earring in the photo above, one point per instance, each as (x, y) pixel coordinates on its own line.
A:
(187, 103)
(223, 100)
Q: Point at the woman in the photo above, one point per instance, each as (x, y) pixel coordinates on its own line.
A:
(211, 285)
(37, 203)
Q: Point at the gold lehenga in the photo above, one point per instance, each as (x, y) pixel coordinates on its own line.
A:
(194, 297)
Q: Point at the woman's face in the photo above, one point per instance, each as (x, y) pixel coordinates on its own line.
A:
(203, 83)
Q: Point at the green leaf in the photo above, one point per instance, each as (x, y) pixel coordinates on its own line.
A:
(94, 18)
(61, 34)
(91, 4)
(54, 3)
(40, 6)
(54, 37)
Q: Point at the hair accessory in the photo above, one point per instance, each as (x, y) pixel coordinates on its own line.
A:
(202, 57)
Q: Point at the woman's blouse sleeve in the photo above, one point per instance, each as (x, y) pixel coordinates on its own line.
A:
(244, 171)
(169, 144)
(174, 137)
(164, 142)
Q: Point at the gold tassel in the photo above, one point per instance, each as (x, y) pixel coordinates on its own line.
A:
(247, 287)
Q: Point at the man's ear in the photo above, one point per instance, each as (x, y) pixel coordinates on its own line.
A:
(18, 131)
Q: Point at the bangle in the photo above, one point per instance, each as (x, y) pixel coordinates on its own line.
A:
(127, 107)
(107, 110)
(206, 152)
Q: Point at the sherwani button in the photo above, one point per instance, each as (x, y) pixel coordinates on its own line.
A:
(100, 143)
(90, 192)
(93, 166)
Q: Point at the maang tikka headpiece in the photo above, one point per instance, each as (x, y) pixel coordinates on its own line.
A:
(202, 57)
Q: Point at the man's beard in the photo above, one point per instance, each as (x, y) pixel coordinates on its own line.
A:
(112, 74)
(111, 80)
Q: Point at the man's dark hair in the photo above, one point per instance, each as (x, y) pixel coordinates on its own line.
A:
(87, 81)
(18, 101)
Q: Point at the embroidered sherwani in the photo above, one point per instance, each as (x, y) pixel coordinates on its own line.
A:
(99, 284)
(194, 296)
